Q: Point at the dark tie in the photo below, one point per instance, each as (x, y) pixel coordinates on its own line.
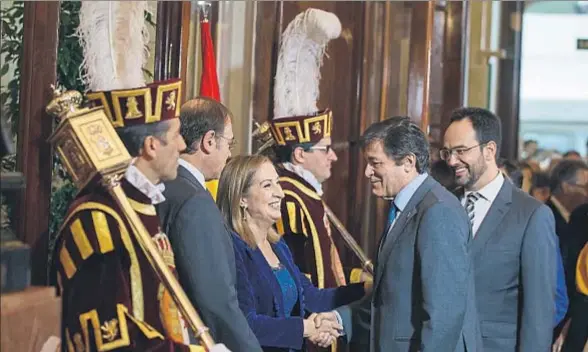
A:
(391, 217)
(391, 214)
(471, 200)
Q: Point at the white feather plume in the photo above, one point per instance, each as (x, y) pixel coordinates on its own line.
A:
(302, 48)
(113, 36)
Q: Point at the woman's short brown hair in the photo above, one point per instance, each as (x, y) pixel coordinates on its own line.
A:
(234, 183)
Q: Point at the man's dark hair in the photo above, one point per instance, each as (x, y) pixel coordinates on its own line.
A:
(133, 137)
(509, 166)
(444, 174)
(565, 172)
(540, 180)
(487, 125)
(529, 141)
(400, 138)
(572, 153)
(283, 153)
(200, 115)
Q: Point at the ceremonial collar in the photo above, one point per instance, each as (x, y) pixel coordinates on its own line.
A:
(306, 175)
(140, 182)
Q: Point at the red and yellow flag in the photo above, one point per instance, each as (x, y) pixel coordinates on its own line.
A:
(209, 79)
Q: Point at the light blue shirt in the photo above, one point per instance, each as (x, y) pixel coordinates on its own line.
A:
(401, 201)
(405, 194)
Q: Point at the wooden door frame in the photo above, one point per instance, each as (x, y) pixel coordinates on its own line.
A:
(35, 154)
(509, 76)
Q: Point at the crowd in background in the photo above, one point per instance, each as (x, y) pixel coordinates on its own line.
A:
(560, 181)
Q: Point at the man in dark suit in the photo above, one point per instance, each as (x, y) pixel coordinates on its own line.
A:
(569, 189)
(423, 294)
(514, 245)
(576, 336)
(198, 234)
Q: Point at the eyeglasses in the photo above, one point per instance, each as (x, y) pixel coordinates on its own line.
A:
(446, 154)
(326, 148)
(232, 142)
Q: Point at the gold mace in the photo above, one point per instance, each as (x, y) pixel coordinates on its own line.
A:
(92, 151)
(262, 134)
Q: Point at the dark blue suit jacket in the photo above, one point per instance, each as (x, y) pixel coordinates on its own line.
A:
(260, 297)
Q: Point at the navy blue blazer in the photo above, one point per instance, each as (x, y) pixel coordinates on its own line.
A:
(260, 297)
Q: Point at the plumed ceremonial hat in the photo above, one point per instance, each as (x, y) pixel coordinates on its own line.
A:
(114, 39)
(296, 116)
(158, 101)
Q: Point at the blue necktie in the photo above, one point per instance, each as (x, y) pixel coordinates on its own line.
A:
(391, 217)
(391, 214)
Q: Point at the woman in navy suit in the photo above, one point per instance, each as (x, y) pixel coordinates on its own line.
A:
(276, 298)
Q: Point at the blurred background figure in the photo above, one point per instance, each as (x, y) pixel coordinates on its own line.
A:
(511, 170)
(540, 187)
(572, 155)
(530, 149)
(443, 174)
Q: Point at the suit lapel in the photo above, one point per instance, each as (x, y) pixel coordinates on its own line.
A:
(266, 272)
(493, 218)
(187, 175)
(398, 228)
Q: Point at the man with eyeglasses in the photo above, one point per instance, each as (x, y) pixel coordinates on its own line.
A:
(304, 156)
(201, 241)
(303, 167)
(514, 246)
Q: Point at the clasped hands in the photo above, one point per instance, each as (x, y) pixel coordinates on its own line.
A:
(322, 329)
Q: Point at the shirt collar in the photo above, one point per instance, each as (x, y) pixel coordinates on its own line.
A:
(140, 182)
(560, 207)
(194, 171)
(490, 191)
(306, 175)
(403, 197)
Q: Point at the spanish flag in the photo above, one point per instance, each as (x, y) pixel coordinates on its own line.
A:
(208, 80)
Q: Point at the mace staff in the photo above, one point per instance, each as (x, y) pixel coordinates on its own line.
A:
(91, 151)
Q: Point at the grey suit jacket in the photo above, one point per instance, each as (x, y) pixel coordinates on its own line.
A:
(514, 254)
(423, 295)
(205, 259)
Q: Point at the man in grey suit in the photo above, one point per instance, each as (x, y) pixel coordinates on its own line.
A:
(514, 246)
(199, 236)
(423, 293)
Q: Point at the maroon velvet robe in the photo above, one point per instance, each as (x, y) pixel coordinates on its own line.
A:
(112, 298)
(307, 232)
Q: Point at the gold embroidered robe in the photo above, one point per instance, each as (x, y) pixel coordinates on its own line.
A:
(307, 231)
(112, 300)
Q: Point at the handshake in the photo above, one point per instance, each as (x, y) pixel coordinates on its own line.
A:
(322, 329)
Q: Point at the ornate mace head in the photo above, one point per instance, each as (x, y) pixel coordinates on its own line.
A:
(263, 136)
(85, 139)
(64, 103)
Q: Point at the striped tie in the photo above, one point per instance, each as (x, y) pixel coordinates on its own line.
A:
(471, 200)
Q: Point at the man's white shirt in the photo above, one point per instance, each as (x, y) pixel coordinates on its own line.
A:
(487, 195)
(194, 171)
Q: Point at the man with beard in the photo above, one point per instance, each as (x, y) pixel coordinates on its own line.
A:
(198, 234)
(423, 297)
(514, 246)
